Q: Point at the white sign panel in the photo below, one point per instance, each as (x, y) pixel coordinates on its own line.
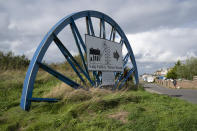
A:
(103, 55)
(108, 78)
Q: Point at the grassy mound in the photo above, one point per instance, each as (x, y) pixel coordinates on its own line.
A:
(94, 109)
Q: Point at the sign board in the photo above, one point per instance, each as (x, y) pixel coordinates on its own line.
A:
(108, 78)
(103, 55)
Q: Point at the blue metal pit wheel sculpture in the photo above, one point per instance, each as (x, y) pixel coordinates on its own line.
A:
(51, 36)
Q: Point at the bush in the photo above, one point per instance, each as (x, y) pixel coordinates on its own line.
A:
(184, 70)
(9, 61)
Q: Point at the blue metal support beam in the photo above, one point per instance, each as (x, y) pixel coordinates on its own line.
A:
(118, 80)
(125, 59)
(100, 27)
(59, 75)
(61, 47)
(44, 100)
(132, 58)
(121, 42)
(125, 79)
(76, 36)
(112, 34)
(126, 56)
(95, 74)
(103, 28)
(125, 62)
(90, 25)
(68, 54)
(90, 31)
(87, 26)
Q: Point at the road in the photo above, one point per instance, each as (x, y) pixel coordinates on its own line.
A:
(186, 94)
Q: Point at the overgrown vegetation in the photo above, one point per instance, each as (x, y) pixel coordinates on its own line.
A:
(10, 61)
(93, 109)
(96, 109)
(184, 70)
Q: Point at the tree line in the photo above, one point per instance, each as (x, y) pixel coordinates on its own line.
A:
(10, 61)
(185, 70)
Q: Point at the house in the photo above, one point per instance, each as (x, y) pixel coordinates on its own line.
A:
(161, 72)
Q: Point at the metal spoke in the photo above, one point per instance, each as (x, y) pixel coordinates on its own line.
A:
(60, 46)
(74, 28)
(100, 25)
(103, 24)
(102, 29)
(117, 81)
(44, 100)
(125, 79)
(97, 77)
(58, 75)
(121, 42)
(126, 56)
(112, 34)
(89, 27)
(125, 59)
(125, 62)
(68, 56)
(112, 29)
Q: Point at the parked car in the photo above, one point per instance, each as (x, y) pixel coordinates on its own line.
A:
(150, 79)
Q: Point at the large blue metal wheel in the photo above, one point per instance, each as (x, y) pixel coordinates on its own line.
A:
(51, 36)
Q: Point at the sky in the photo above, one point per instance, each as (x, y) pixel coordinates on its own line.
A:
(160, 31)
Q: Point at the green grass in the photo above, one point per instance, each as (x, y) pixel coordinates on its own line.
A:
(90, 110)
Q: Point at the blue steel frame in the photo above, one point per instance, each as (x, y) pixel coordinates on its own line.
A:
(36, 61)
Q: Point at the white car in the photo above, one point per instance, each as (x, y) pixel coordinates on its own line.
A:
(150, 79)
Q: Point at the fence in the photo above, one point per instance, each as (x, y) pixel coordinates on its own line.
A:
(180, 83)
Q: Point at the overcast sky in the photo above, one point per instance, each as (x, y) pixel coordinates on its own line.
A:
(160, 31)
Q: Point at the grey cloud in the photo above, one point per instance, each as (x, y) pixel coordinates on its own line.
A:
(24, 23)
(148, 15)
(138, 56)
(164, 44)
(152, 66)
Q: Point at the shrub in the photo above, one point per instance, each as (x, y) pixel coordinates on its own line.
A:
(10, 61)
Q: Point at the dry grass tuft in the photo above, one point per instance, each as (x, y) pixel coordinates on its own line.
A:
(121, 116)
(63, 91)
(60, 91)
(99, 92)
(78, 95)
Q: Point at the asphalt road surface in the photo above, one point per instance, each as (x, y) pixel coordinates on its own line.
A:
(186, 94)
